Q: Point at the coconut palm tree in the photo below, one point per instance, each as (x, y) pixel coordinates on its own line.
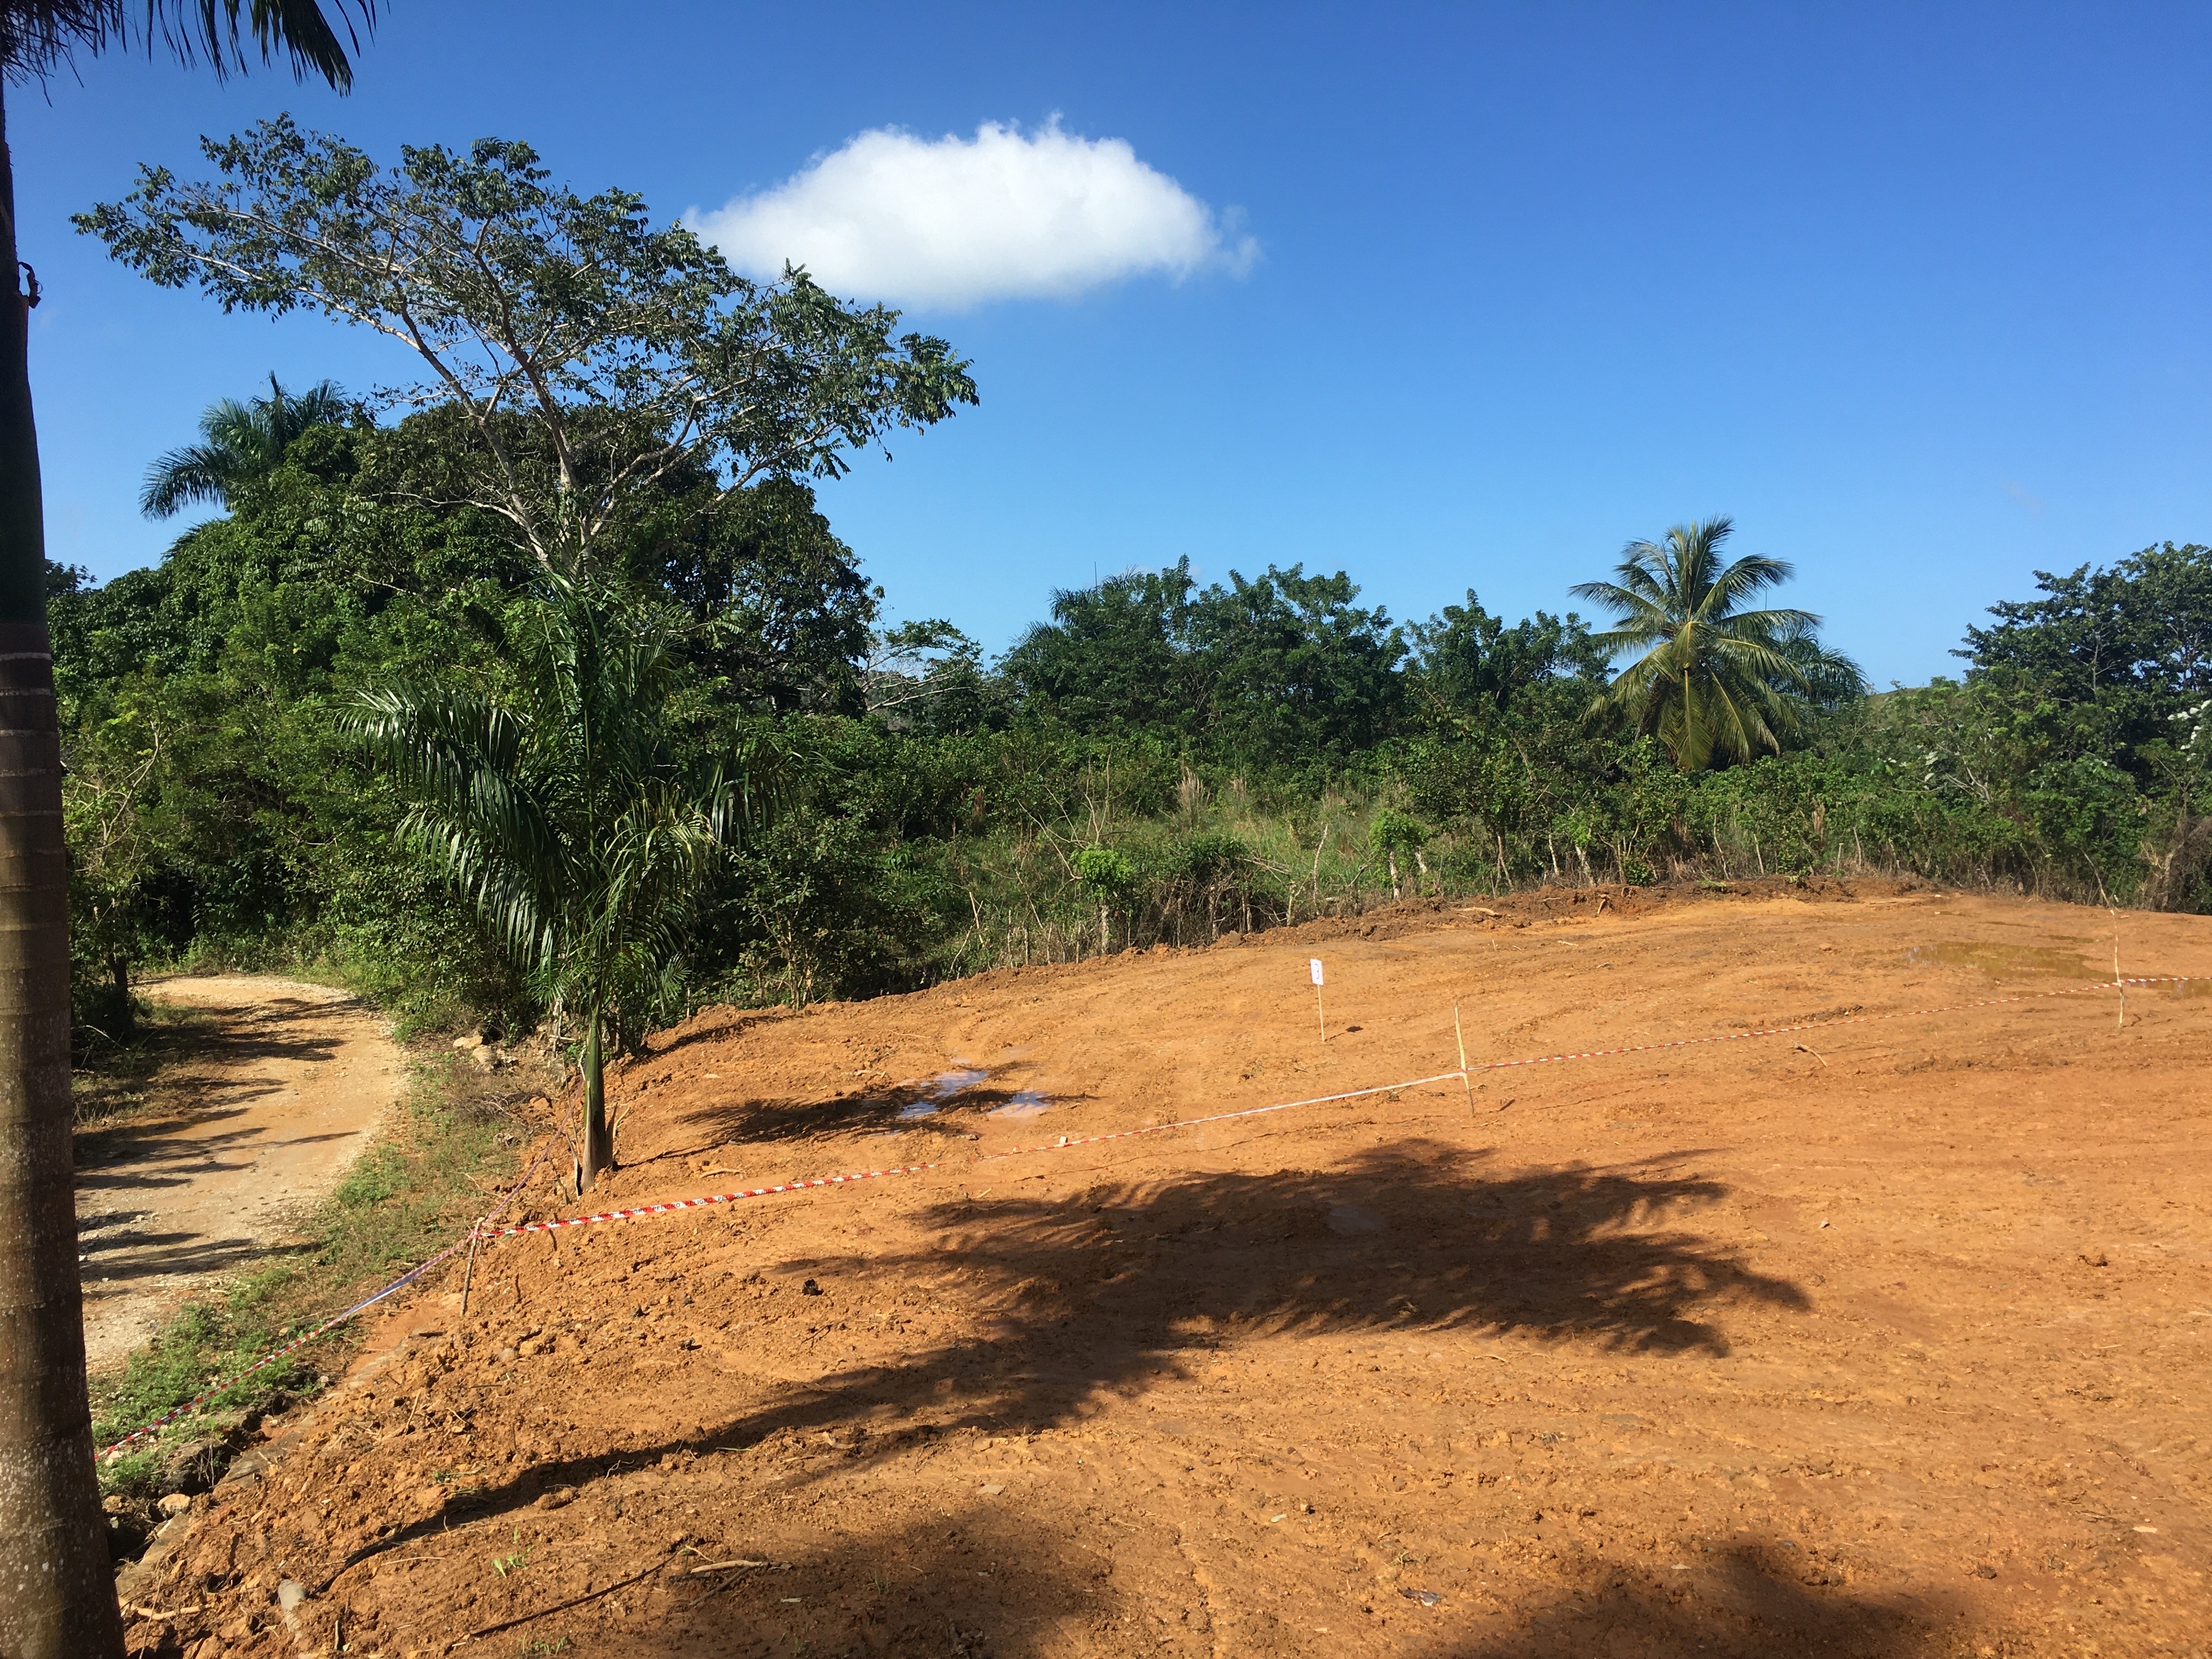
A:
(564, 812)
(58, 1588)
(1716, 682)
(241, 444)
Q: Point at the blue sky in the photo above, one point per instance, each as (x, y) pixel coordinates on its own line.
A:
(1917, 293)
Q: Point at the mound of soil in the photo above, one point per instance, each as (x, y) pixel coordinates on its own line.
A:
(1882, 1339)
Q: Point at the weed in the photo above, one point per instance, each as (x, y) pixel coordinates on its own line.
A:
(504, 1564)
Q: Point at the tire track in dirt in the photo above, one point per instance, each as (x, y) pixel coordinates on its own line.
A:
(276, 1100)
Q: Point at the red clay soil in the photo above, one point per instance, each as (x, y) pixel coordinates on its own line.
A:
(1885, 1340)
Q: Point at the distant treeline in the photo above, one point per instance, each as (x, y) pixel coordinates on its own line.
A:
(1157, 761)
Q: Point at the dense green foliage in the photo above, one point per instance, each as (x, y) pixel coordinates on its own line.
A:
(1156, 762)
(240, 443)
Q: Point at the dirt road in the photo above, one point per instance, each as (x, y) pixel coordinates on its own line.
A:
(282, 1092)
(1883, 1339)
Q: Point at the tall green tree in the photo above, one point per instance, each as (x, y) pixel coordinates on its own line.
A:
(2124, 650)
(56, 1594)
(239, 444)
(1281, 667)
(593, 359)
(1115, 656)
(592, 355)
(1468, 666)
(1716, 682)
(1293, 671)
(567, 810)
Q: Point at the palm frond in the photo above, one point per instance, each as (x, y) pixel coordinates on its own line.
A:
(184, 478)
(1743, 578)
(562, 812)
(298, 29)
(243, 442)
(475, 812)
(39, 36)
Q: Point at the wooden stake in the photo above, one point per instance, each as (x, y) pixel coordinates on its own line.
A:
(1465, 1081)
(469, 1277)
(2118, 984)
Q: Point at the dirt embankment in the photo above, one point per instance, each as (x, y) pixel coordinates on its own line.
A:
(286, 1085)
(1882, 1339)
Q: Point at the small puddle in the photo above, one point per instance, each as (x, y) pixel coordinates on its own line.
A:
(948, 1084)
(1994, 959)
(1026, 1103)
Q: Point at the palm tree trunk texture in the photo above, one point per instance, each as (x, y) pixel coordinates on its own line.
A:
(56, 1584)
(599, 1150)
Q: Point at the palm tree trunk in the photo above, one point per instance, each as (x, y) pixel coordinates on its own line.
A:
(599, 1151)
(56, 1584)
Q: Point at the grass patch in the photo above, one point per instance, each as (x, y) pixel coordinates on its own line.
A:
(453, 1141)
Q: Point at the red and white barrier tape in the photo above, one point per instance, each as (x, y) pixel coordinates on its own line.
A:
(670, 1206)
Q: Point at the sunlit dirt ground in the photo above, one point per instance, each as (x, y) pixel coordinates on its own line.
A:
(1886, 1339)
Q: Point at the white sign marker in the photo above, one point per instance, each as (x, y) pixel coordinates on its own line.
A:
(1315, 964)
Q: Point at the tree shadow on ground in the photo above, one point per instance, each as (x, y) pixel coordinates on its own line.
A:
(923, 1105)
(198, 1081)
(712, 1025)
(266, 1031)
(157, 1152)
(1753, 1602)
(158, 1255)
(1108, 1292)
(159, 1155)
(983, 1584)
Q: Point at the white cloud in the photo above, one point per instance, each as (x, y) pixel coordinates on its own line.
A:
(956, 221)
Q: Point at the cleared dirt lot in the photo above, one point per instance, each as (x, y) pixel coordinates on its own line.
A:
(1890, 1344)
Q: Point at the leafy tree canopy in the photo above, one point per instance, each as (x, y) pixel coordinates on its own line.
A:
(1114, 655)
(2136, 633)
(1283, 667)
(1468, 664)
(629, 354)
